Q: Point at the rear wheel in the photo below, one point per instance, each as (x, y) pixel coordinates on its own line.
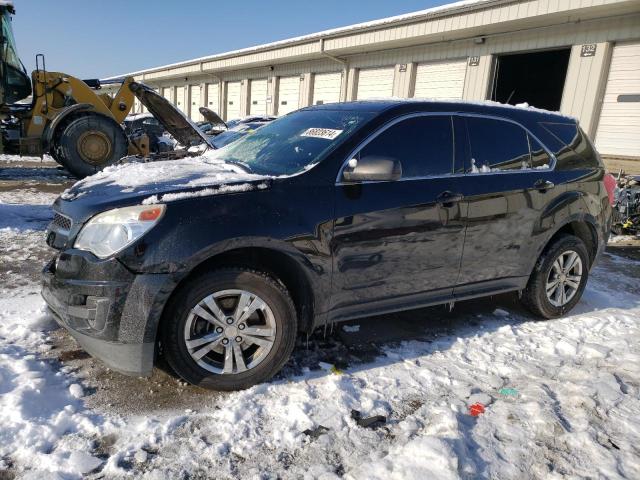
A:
(229, 329)
(558, 279)
(89, 143)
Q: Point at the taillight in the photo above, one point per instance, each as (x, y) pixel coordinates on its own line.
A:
(610, 184)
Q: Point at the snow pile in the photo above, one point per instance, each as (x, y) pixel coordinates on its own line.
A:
(16, 158)
(42, 422)
(560, 396)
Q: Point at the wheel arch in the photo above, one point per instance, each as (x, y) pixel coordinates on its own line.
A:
(282, 265)
(583, 226)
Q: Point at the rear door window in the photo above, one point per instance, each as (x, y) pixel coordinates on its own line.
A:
(423, 145)
(497, 145)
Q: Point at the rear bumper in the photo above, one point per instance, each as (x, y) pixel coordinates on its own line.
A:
(112, 313)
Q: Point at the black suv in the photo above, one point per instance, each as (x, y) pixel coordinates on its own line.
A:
(330, 213)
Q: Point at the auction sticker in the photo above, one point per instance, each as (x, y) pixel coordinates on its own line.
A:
(326, 133)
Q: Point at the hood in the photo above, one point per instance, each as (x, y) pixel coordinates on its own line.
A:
(153, 182)
(176, 122)
(212, 117)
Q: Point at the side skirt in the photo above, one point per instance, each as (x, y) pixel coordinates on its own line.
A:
(417, 301)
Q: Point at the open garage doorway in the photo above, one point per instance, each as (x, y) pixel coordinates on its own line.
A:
(536, 78)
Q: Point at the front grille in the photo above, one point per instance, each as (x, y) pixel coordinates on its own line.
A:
(61, 222)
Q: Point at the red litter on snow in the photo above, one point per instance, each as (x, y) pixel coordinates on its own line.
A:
(476, 409)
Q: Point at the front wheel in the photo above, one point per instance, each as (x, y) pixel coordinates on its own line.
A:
(229, 329)
(558, 279)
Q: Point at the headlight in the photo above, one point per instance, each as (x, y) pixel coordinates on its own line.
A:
(112, 231)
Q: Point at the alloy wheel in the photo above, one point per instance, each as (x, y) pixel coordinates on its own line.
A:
(230, 331)
(564, 278)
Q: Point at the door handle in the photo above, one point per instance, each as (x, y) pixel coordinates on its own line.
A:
(543, 185)
(448, 199)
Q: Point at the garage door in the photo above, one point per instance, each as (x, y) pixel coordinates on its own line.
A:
(166, 93)
(440, 79)
(258, 97)
(180, 98)
(195, 103)
(213, 101)
(288, 94)
(375, 83)
(619, 126)
(233, 100)
(326, 88)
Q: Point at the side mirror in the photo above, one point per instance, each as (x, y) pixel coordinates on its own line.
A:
(372, 168)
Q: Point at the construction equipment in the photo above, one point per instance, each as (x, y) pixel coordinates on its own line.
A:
(67, 118)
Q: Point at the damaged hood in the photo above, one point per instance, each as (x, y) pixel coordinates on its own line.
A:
(155, 182)
(173, 120)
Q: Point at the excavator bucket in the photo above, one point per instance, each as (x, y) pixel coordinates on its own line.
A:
(176, 122)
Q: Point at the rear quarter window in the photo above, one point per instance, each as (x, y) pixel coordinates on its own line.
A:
(575, 150)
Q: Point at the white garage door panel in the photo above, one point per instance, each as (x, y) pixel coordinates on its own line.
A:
(619, 126)
(195, 103)
(288, 94)
(258, 97)
(375, 83)
(213, 90)
(180, 98)
(233, 100)
(166, 93)
(440, 80)
(326, 88)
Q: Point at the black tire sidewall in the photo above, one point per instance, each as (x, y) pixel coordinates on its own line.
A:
(268, 289)
(67, 153)
(564, 244)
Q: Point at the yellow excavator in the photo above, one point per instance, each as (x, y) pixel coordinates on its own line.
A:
(67, 118)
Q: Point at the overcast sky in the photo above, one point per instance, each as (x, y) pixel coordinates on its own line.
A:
(97, 39)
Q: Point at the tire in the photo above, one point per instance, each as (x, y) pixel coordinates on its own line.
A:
(534, 296)
(89, 143)
(180, 322)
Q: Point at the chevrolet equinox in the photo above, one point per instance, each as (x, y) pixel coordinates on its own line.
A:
(330, 213)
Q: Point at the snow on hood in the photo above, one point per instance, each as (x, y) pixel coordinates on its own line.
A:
(157, 178)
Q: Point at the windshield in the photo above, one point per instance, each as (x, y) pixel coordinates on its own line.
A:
(10, 52)
(235, 133)
(293, 142)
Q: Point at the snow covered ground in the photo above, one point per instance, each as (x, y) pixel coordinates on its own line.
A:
(561, 398)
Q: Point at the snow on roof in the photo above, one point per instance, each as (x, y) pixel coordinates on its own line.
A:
(429, 12)
(482, 103)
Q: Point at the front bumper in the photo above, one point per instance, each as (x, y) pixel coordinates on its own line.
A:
(111, 312)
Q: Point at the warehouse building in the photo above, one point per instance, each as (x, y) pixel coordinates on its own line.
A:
(581, 57)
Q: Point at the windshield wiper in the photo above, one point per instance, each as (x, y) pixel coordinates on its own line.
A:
(240, 164)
